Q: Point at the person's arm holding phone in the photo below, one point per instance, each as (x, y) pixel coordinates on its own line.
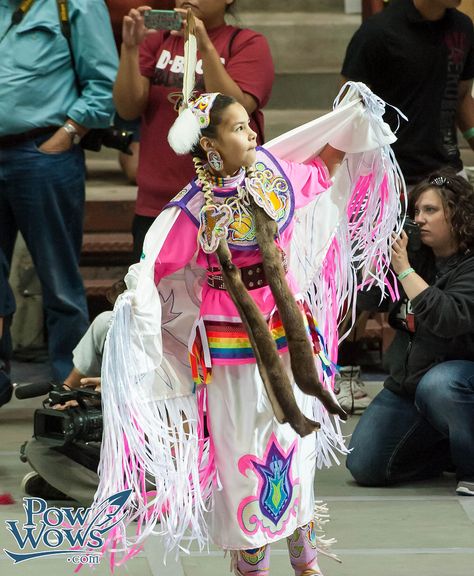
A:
(131, 89)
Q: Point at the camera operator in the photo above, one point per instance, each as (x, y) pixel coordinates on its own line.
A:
(65, 468)
(422, 422)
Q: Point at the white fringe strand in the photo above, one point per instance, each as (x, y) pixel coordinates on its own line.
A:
(323, 544)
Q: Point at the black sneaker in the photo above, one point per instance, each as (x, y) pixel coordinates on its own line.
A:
(33, 485)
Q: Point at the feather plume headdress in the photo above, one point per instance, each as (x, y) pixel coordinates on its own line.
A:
(194, 113)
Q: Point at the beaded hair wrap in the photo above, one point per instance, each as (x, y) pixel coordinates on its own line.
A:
(214, 218)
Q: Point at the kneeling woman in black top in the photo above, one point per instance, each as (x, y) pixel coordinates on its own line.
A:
(423, 419)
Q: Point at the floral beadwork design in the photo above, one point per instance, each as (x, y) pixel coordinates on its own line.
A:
(253, 556)
(276, 499)
(214, 222)
(269, 190)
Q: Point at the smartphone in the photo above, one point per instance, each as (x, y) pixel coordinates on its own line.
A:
(162, 19)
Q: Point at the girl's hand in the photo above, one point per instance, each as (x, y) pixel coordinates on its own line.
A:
(399, 258)
(202, 37)
(133, 27)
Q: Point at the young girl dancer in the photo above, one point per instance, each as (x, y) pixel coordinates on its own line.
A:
(254, 349)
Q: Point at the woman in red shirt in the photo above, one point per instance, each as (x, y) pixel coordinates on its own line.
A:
(231, 60)
(117, 10)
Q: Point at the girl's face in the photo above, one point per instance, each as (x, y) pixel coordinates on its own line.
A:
(235, 141)
(211, 12)
(435, 223)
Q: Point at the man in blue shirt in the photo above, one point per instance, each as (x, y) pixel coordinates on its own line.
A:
(48, 101)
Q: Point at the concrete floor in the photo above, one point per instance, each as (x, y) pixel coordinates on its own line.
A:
(418, 530)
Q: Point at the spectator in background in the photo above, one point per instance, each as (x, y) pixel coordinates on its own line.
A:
(423, 419)
(117, 10)
(231, 60)
(418, 55)
(43, 116)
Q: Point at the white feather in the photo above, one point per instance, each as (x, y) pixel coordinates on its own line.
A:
(185, 132)
(190, 62)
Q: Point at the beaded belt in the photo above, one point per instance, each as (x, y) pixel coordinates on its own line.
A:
(253, 276)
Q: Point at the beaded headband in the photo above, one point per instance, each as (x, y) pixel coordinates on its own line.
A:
(201, 108)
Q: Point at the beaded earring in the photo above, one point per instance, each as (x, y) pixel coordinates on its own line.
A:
(215, 160)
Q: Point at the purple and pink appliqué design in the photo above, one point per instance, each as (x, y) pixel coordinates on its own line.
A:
(277, 496)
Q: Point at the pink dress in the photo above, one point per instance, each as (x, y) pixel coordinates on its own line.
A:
(265, 469)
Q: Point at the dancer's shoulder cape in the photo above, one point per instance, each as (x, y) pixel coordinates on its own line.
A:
(153, 433)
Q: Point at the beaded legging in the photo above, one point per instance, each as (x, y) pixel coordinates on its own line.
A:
(301, 548)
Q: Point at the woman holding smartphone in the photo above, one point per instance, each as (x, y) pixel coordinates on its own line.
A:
(233, 61)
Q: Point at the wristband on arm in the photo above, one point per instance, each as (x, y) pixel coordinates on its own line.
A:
(405, 273)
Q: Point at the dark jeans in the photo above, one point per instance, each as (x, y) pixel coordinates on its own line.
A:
(7, 307)
(43, 195)
(398, 440)
(7, 301)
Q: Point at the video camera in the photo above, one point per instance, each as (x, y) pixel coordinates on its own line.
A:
(109, 137)
(81, 423)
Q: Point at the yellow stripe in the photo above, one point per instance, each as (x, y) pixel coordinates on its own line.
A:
(225, 343)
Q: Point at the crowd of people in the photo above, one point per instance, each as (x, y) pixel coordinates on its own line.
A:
(207, 203)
